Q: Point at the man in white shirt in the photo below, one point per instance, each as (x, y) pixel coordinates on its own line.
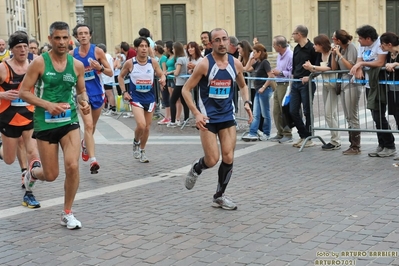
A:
(371, 58)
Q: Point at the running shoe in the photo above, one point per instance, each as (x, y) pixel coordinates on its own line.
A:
(94, 166)
(143, 157)
(30, 201)
(192, 176)
(136, 150)
(164, 121)
(110, 112)
(22, 179)
(70, 221)
(85, 154)
(224, 202)
(29, 180)
(172, 125)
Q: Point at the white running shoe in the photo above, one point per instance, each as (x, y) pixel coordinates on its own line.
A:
(191, 177)
(224, 202)
(143, 157)
(136, 150)
(70, 221)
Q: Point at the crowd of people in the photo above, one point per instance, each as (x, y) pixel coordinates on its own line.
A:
(42, 95)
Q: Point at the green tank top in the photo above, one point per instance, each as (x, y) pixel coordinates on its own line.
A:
(56, 87)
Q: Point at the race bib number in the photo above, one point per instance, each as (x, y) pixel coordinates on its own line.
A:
(63, 117)
(219, 89)
(143, 85)
(19, 103)
(89, 74)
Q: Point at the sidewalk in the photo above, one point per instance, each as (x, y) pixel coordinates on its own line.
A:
(293, 208)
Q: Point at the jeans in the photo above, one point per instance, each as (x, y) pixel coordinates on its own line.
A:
(262, 107)
(300, 95)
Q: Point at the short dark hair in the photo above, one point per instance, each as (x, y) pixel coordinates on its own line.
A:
(159, 42)
(281, 41)
(17, 38)
(367, 31)
(58, 25)
(125, 46)
(139, 40)
(217, 29)
(102, 47)
(34, 41)
(303, 30)
(75, 30)
(144, 32)
(207, 32)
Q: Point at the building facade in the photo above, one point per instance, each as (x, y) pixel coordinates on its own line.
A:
(13, 17)
(114, 21)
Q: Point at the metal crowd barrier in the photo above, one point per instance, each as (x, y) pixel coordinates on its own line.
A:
(366, 123)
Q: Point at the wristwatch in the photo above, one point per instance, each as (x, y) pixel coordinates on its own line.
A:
(102, 69)
(248, 102)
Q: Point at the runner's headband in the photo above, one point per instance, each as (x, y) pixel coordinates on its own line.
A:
(18, 40)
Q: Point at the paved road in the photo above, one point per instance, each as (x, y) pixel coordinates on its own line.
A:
(294, 208)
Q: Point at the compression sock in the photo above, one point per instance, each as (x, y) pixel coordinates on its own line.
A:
(225, 171)
(200, 166)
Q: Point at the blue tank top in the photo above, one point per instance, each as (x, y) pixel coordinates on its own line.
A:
(216, 91)
(93, 81)
(141, 82)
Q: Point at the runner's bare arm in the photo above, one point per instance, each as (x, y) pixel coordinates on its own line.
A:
(82, 97)
(243, 88)
(159, 73)
(35, 70)
(126, 69)
(10, 94)
(199, 71)
(102, 60)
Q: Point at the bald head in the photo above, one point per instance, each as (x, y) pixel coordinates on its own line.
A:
(2, 45)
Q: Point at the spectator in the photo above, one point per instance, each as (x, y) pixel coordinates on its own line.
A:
(371, 58)
(261, 104)
(282, 71)
(205, 37)
(233, 46)
(344, 58)
(322, 45)
(303, 52)
(107, 81)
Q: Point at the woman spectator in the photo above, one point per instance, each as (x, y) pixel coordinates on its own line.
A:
(159, 52)
(322, 45)
(181, 69)
(344, 58)
(244, 50)
(194, 56)
(120, 58)
(170, 68)
(261, 103)
(390, 43)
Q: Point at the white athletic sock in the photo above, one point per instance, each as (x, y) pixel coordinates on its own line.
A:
(92, 159)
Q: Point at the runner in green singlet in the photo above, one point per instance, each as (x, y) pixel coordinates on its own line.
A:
(56, 74)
